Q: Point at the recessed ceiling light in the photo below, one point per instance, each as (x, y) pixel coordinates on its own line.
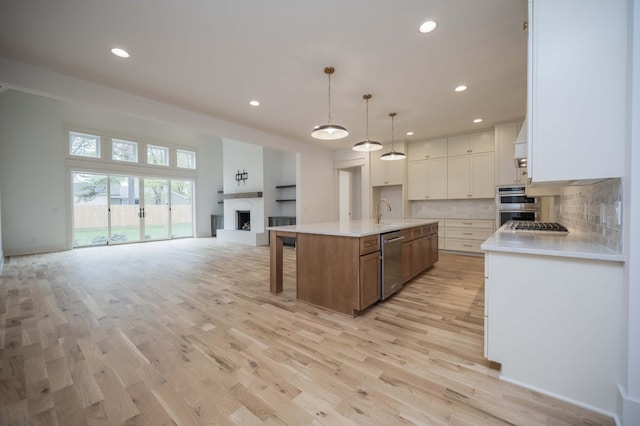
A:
(254, 103)
(120, 52)
(478, 120)
(409, 133)
(428, 26)
(460, 88)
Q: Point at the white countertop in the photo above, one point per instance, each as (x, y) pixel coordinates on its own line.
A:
(354, 228)
(572, 244)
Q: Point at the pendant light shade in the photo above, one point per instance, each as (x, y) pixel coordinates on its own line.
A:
(393, 154)
(367, 145)
(329, 131)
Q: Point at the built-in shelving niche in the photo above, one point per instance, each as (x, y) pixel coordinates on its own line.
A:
(284, 198)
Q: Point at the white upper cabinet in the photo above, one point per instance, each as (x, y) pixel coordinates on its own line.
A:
(427, 150)
(471, 144)
(388, 172)
(507, 172)
(576, 91)
(471, 176)
(428, 179)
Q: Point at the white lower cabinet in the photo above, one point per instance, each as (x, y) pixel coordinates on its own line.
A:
(554, 323)
(466, 234)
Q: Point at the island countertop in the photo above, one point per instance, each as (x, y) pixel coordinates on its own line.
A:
(353, 228)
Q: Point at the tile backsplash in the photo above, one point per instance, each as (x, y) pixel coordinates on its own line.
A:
(454, 209)
(595, 211)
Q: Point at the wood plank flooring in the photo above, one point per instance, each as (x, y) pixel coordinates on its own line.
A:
(186, 332)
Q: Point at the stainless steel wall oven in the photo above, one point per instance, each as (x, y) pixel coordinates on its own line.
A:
(512, 203)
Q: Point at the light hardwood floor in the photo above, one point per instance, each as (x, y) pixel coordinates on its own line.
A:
(187, 332)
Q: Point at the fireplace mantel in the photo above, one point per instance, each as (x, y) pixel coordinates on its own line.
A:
(237, 195)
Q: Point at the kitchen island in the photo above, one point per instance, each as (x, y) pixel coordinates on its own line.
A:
(338, 263)
(553, 314)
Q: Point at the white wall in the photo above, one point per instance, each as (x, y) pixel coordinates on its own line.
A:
(36, 213)
(313, 165)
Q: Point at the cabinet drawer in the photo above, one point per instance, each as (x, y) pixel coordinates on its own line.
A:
(463, 245)
(468, 233)
(469, 223)
(369, 244)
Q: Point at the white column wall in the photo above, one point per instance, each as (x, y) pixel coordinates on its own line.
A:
(629, 398)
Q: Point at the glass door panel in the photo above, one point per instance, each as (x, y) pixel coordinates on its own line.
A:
(181, 208)
(90, 209)
(156, 208)
(125, 208)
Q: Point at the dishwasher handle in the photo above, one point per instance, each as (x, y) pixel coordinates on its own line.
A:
(393, 240)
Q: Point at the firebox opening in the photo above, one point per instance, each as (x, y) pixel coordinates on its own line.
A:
(243, 220)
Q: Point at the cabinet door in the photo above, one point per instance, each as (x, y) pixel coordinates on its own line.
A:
(417, 151)
(482, 173)
(387, 172)
(425, 249)
(483, 142)
(425, 150)
(396, 170)
(458, 175)
(406, 262)
(434, 248)
(437, 148)
(417, 185)
(378, 169)
(369, 279)
(459, 145)
(436, 179)
(416, 257)
(577, 89)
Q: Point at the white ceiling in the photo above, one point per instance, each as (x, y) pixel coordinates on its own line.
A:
(214, 56)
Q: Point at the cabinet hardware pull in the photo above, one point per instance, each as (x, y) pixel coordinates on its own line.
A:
(467, 223)
(467, 233)
(467, 245)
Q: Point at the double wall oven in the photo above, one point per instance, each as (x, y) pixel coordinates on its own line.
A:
(513, 204)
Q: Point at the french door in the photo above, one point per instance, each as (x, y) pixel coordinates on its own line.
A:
(113, 209)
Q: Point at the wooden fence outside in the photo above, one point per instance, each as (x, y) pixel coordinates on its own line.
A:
(89, 216)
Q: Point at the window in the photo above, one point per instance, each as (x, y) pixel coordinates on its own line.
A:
(84, 145)
(186, 159)
(158, 155)
(124, 150)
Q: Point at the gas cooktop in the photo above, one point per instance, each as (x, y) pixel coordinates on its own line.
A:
(520, 225)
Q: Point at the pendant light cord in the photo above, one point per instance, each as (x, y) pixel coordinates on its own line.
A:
(329, 74)
(367, 135)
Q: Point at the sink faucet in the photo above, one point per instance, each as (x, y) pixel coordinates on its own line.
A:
(379, 214)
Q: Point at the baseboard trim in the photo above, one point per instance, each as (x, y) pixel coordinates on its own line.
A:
(614, 416)
(21, 251)
(628, 409)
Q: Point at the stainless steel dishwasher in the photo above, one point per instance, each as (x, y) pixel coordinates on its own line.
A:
(391, 282)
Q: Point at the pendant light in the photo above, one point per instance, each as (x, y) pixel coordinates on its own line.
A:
(367, 145)
(329, 131)
(393, 154)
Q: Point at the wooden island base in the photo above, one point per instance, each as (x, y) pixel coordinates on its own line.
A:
(342, 273)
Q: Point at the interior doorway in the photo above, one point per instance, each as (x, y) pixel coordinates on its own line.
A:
(350, 193)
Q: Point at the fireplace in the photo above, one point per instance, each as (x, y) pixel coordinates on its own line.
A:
(243, 220)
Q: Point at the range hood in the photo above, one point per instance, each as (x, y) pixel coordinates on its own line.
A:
(520, 146)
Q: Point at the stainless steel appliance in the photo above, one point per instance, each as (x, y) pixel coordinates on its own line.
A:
(536, 227)
(391, 244)
(512, 203)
